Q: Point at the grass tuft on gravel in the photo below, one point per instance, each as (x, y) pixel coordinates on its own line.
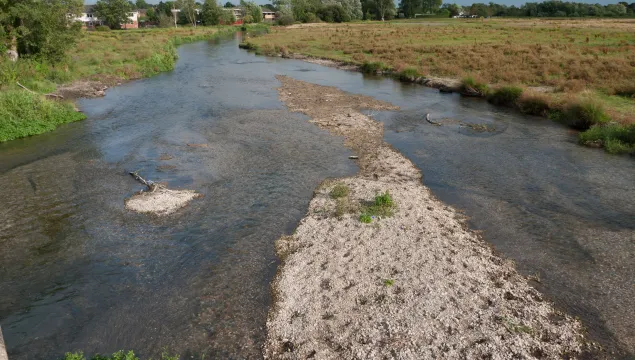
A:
(383, 205)
(119, 355)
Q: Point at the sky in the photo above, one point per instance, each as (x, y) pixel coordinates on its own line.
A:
(460, 2)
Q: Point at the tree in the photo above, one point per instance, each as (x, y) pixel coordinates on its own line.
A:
(41, 28)
(253, 10)
(142, 4)
(453, 9)
(409, 7)
(188, 9)
(113, 12)
(384, 6)
(229, 5)
(152, 15)
(212, 13)
(227, 17)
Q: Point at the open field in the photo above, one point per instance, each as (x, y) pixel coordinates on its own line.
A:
(558, 62)
(99, 60)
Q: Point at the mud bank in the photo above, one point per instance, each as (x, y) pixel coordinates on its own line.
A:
(415, 285)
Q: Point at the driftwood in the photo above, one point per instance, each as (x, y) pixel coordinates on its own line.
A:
(430, 121)
(353, 157)
(152, 186)
(33, 92)
(3, 348)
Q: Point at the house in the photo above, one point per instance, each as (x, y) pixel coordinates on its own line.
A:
(89, 20)
(268, 14)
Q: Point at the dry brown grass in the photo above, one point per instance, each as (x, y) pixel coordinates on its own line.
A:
(572, 56)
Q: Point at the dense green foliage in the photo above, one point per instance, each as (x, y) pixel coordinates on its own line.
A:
(253, 12)
(39, 28)
(113, 12)
(615, 138)
(551, 8)
(24, 114)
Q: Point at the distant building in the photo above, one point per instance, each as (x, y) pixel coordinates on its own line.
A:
(268, 14)
(89, 20)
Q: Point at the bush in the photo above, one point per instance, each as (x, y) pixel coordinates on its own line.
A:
(582, 115)
(505, 95)
(102, 28)
(408, 74)
(615, 138)
(469, 86)
(339, 191)
(285, 20)
(533, 104)
(333, 13)
(23, 114)
(372, 67)
(382, 206)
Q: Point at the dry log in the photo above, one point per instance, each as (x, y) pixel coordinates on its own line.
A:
(33, 92)
(430, 121)
(149, 183)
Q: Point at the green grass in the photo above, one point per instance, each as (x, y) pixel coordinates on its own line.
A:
(471, 86)
(615, 138)
(582, 115)
(109, 55)
(389, 282)
(383, 205)
(409, 74)
(119, 355)
(505, 95)
(24, 114)
(340, 190)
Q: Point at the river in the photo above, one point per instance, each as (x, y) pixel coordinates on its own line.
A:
(79, 272)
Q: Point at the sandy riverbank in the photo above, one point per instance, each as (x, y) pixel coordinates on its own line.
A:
(415, 285)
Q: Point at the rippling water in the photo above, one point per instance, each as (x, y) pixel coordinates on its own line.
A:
(79, 272)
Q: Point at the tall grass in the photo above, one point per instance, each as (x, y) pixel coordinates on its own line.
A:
(614, 138)
(505, 95)
(24, 114)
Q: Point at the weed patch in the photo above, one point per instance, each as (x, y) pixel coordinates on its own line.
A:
(372, 67)
(119, 355)
(582, 115)
(616, 139)
(383, 205)
(340, 190)
(472, 87)
(408, 74)
(505, 95)
(533, 104)
(25, 114)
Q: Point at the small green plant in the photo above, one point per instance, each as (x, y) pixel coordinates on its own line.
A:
(119, 355)
(340, 190)
(505, 95)
(383, 205)
(389, 282)
(408, 74)
(614, 138)
(469, 86)
(372, 67)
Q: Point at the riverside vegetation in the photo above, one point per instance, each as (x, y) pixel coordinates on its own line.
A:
(109, 57)
(578, 72)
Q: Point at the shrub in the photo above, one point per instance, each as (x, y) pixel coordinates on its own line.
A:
(102, 28)
(372, 67)
(340, 190)
(285, 20)
(365, 218)
(533, 104)
(24, 114)
(333, 13)
(615, 138)
(408, 74)
(505, 95)
(582, 115)
(469, 86)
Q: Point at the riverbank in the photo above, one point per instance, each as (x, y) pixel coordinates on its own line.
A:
(495, 59)
(379, 267)
(100, 60)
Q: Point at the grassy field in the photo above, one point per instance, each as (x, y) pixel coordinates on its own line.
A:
(576, 61)
(110, 57)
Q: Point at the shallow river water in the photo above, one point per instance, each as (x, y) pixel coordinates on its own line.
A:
(79, 272)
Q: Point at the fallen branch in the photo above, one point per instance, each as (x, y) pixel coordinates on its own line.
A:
(149, 183)
(33, 92)
(430, 121)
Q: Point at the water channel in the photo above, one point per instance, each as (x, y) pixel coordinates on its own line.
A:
(79, 272)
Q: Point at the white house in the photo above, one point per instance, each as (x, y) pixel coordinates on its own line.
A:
(90, 20)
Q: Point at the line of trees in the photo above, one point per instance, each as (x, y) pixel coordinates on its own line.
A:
(550, 8)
